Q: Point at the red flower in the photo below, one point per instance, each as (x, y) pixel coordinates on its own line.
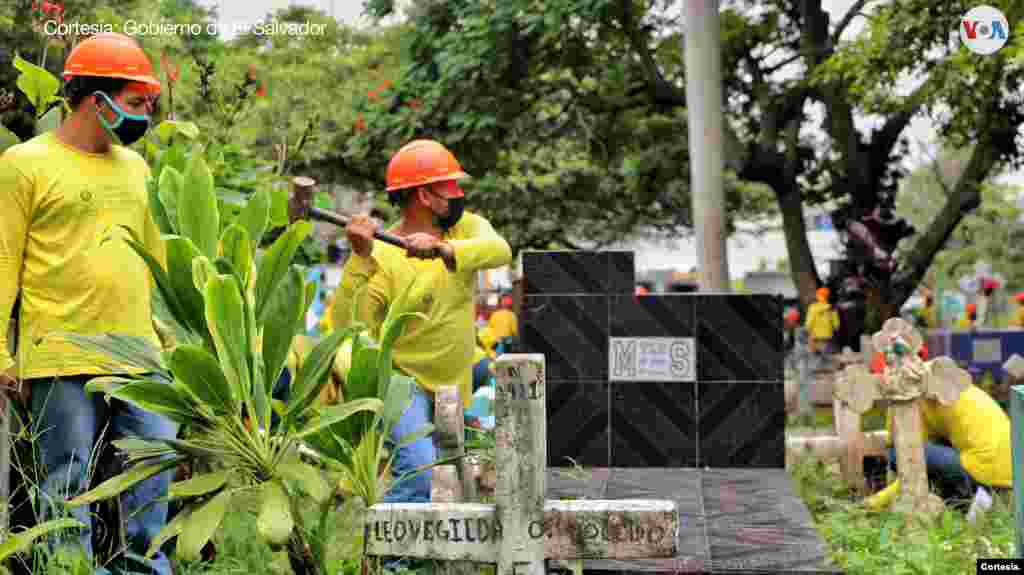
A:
(415, 103)
(372, 94)
(360, 124)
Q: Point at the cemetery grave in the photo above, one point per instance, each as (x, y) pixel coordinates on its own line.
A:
(669, 396)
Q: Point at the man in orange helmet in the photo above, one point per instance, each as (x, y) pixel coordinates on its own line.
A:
(60, 194)
(446, 247)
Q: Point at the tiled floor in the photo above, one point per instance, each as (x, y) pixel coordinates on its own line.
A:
(730, 520)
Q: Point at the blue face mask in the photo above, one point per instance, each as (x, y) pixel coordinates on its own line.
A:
(128, 127)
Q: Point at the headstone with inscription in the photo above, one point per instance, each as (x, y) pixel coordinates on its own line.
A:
(522, 529)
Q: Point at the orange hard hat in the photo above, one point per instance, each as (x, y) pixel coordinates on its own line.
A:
(423, 162)
(971, 308)
(111, 55)
(823, 292)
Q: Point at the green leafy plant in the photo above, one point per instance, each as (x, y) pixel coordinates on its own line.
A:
(238, 312)
(42, 89)
(356, 446)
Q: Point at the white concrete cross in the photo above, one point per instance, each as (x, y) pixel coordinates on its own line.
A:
(522, 528)
(906, 380)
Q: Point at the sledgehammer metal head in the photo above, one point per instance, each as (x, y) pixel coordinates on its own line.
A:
(300, 207)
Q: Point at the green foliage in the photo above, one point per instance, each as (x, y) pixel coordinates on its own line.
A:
(987, 234)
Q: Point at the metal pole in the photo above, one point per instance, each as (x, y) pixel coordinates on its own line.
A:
(704, 108)
(1017, 418)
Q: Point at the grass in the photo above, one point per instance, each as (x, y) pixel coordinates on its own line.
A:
(863, 543)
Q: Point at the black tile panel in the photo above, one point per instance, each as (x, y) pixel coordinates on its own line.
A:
(660, 315)
(565, 272)
(739, 338)
(571, 331)
(577, 423)
(741, 424)
(621, 272)
(653, 424)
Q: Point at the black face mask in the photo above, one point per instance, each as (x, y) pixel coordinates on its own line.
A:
(128, 127)
(455, 207)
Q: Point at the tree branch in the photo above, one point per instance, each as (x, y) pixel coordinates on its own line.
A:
(661, 92)
(965, 198)
(884, 139)
(847, 18)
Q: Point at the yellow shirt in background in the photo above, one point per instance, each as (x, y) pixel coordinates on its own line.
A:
(56, 205)
(977, 427)
(439, 351)
(503, 324)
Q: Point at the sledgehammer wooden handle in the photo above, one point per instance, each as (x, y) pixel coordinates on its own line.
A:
(300, 207)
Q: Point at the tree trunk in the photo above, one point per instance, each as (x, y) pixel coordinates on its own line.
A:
(801, 260)
(965, 198)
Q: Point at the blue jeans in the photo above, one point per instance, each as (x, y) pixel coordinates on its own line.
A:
(69, 423)
(944, 470)
(418, 453)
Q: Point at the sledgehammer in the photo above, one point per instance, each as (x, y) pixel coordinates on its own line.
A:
(300, 207)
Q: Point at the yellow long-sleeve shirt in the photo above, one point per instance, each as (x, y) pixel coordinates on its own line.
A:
(977, 427)
(56, 205)
(822, 320)
(438, 351)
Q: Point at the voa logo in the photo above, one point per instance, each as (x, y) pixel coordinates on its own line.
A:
(984, 30)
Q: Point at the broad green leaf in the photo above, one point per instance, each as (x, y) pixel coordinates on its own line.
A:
(169, 128)
(199, 485)
(362, 376)
(309, 479)
(201, 524)
(200, 371)
(399, 312)
(175, 157)
(282, 322)
(275, 522)
(156, 207)
(278, 208)
(159, 275)
(170, 187)
(276, 263)
(237, 248)
(198, 218)
(202, 270)
(120, 483)
(397, 400)
(49, 122)
(335, 413)
(7, 138)
(255, 216)
(315, 370)
(130, 351)
(180, 254)
(414, 436)
(36, 83)
(158, 397)
(138, 450)
(170, 531)
(22, 541)
(225, 316)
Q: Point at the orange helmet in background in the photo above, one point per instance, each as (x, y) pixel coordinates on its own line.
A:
(111, 55)
(972, 308)
(423, 162)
